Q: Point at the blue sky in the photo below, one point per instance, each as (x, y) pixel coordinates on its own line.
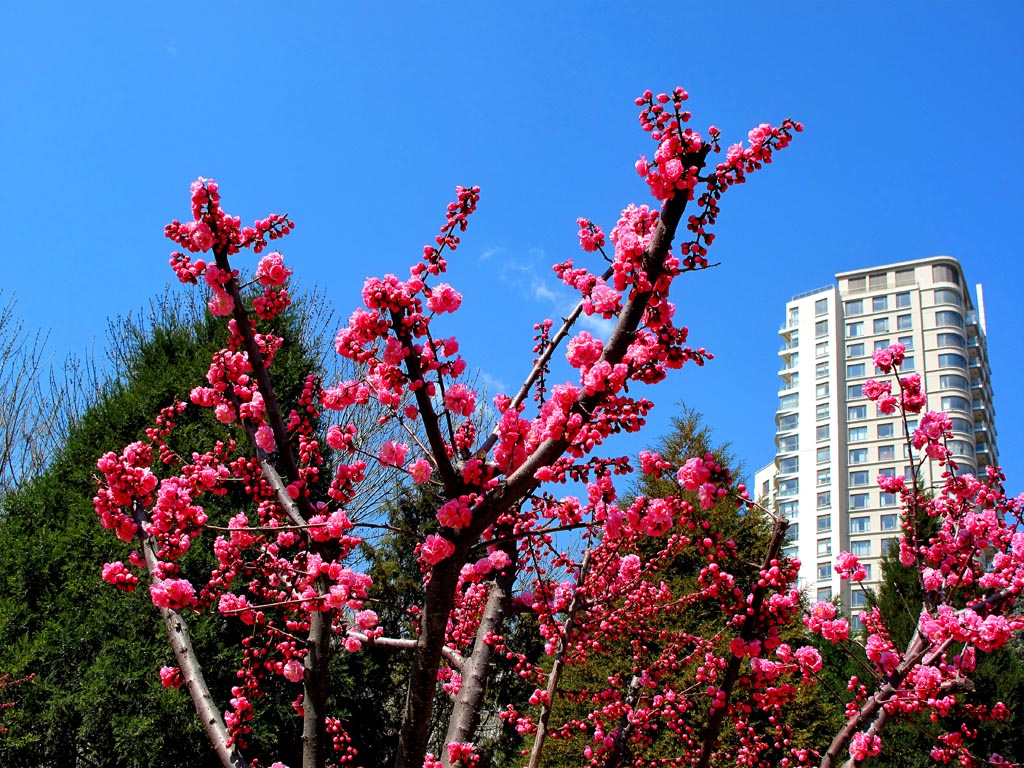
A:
(359, 120)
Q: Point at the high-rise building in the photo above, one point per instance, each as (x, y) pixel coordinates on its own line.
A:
(832, 443)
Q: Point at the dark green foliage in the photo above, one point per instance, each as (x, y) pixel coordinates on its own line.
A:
(97, 698)
(999, 676)
(751, 531)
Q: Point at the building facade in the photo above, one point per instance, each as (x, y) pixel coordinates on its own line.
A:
(832, 443)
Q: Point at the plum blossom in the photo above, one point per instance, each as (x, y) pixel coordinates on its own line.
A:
(393, 453)
(435, 549)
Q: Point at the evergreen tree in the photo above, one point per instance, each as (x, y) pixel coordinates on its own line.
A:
(96, 698)
(690, 437)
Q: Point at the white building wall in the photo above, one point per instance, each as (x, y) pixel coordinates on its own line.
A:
(831, 442)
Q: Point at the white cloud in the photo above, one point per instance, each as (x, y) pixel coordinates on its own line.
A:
(489, 252)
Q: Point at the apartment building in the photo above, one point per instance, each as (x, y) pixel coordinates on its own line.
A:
(832, 443)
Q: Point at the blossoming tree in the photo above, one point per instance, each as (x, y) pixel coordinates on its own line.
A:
(287, 566)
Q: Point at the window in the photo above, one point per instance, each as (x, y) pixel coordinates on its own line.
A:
(963, 425)
(887, 452)
(858, 598)
(888, 500)
(908, 363)
(942, 273)
(820, 307)
(880, 325)
(824, 500)
(867, 571)
(824, 523)
(906, 341)
(856, 412)
(856, 369)
(789, 487)
(821, 329)
(821, 370)
(794, 316)
(789, 552)
(953, 381)
(821, 350)
(789, 465)
(890, 523)
(902, 299)
(885, 430)
(824, 477)
(890, 545)
(822, 411)
(824, 594)
(949, 319)
(824, 571)
(793, 532)
(854, 308)
(858, 455)
(879, 303)
(860, 524)
(854, 391)
(821, 390)
(853, 330)
(859, 478)
(861, 548)
(789, 509)
(824, 455)
(961, 448)
(789, 443)
(877, 281)
(947, 296)
(821, 433)
(855, 350)
(856, 434)
(791, 381)
(951, 340)
(824, 547)
(788, 422)
(955, 403)
(952, 360)
(904, 322)
(889, 472)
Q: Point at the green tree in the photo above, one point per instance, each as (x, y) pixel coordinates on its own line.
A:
(751, 531)
(96, 698)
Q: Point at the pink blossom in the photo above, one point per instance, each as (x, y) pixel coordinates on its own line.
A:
(693, 474)
(393, 453)
(119, 576)
(366, 619)
(172, 593)
(171, 677)
(420, 471)
(265, 438)
(809, 658)
(220, 304)
(863, 746)
(271, 270)
(460, 399)
(584, 350)
(444, 298)
(293, 670)
(591, 235)
(456, 513)
(352, 645)
(435, 549)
